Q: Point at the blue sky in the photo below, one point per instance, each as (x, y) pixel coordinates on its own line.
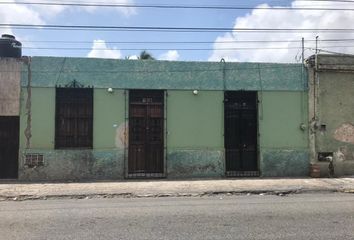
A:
(169, 18)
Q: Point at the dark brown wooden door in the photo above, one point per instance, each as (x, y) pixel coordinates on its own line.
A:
(146, 138)
(9, 146)
(241, 132)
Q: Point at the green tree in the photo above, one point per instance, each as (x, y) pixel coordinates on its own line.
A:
(144, 55)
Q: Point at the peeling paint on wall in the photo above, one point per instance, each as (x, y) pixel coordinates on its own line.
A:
(345, 133)
(28, 133)
(122, 135)
(339, 155)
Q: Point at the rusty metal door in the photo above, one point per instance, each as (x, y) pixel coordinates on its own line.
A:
(241, 130)
(9, 146)
(146, 133)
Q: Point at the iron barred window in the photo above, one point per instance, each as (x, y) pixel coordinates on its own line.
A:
(74, 118)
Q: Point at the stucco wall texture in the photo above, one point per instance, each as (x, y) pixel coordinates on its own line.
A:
(331, 94)
(10, 76)
(194, 123)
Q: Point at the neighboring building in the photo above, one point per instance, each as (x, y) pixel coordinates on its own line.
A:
(331, 112)
(83, 118)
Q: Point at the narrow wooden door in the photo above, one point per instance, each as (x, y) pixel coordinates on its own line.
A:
(146, 138)
(9, 146)
(241, 133)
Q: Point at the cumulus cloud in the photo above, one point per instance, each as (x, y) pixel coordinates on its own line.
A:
(18, 14)
(133, 57)
(13, 13)
(260, 18)
(171, 55)
(126, 11)
(101, 50)
(38, 14)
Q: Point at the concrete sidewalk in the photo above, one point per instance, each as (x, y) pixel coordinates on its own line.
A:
(164, 188)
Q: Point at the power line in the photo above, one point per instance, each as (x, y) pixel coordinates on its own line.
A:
(187, 42)
(159, 6)
(166, 29)
(179, 49)
(160, 49)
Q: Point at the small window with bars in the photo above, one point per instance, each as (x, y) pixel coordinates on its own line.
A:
(74, 118)
(34, 160)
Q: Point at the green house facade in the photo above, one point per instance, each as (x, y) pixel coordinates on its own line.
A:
(146, 119)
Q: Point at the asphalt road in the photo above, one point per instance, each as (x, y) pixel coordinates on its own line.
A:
(303, 216)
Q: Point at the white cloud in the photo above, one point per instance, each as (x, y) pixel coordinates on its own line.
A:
(20, 14)
(13, 13)
(171, 55)
(38, 14)
(284, 19)
(126, 11)
(101, 50)
(133, 57)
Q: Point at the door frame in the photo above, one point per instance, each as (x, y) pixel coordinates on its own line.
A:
(259, 115)
(127, 93)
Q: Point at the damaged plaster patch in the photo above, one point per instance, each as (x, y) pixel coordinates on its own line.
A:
(345, 133)
(122, 137)
(339, 155)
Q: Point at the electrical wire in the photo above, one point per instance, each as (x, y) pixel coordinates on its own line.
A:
(179, 49)
(167, 29)
(187, 42)
(163, 49)
(159, 6)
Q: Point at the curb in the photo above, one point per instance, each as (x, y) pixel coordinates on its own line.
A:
(160, 195)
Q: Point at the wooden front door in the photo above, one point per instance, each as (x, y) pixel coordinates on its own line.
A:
(146, 133)
(9, 146)
(241, 129)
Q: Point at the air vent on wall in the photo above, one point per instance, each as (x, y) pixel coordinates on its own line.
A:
(34, 160)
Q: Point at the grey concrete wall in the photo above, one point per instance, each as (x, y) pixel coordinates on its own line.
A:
(331, 112)
(10, 79)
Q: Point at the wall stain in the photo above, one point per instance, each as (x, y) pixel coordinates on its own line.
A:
(122, 135)
(340, 154)
(345, 133)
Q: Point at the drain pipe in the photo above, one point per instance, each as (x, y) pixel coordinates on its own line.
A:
(223, 73)
(261, 91)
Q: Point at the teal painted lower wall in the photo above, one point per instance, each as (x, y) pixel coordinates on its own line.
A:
(195, 163)
(284, 162)
(181, 163)
(74, 165)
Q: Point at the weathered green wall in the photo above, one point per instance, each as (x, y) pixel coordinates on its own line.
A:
(132, 74)
(283, 145)
(109, 115)
(195, 141)
(104, 161)
(195, 134)
(42, 121)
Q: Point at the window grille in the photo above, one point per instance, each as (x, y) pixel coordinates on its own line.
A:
(74, 118)
(34, 160)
